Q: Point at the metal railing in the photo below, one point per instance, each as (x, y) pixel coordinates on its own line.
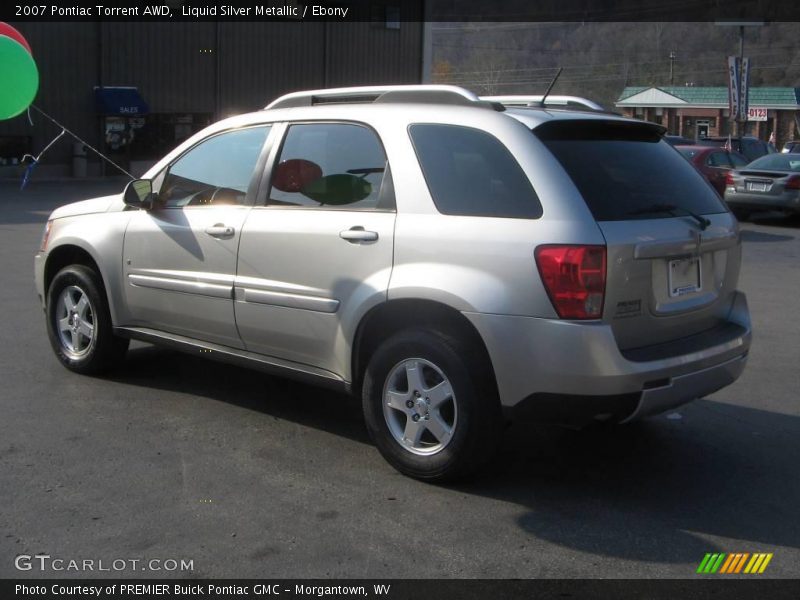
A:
(430, 94)
(427, 94)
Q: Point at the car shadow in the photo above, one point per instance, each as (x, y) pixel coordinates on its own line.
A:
(661, 490)
(748, 235)
(169, 370)
(775, 219)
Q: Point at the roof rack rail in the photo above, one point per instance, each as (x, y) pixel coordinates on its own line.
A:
(553, 101)
(429, 94)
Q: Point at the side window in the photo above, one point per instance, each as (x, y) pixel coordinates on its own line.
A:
(752, 149)
(738, 161)
(718, 159)
(470, 173)
(215, 171)
(331, 166)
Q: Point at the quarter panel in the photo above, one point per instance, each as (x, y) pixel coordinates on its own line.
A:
(479, 264)
(472, 263)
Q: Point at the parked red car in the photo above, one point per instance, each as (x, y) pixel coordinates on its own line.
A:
(714, 163)
(748, 146)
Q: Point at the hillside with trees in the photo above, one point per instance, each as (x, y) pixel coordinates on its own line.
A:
(601, 59)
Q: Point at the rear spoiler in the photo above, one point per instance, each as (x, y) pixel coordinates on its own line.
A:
(600, 129)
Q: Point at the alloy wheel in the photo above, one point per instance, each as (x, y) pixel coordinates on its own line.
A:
(74, 316)
(419, 406)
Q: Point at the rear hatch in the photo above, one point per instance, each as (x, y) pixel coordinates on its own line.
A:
(673, 248)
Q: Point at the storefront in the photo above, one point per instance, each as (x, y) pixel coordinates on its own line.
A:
(137, 89)
(135, 137)
(697, 112)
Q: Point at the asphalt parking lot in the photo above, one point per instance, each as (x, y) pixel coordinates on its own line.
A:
(174, 457)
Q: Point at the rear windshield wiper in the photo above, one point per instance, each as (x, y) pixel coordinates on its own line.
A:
(673, 210)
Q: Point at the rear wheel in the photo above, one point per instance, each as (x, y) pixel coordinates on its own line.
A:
(79, 322)
(430, 406)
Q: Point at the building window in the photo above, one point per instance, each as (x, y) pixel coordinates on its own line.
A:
(150, 137)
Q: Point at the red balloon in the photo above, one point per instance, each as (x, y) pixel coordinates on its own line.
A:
(9, 31)
(294, 174)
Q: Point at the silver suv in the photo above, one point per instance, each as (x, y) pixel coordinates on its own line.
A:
(453, 261)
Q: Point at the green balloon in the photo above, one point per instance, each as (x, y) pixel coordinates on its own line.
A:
(339, 189)
(19, 78)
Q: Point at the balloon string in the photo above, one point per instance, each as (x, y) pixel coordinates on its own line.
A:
(46, 148)
(35, 160)
(89, 146)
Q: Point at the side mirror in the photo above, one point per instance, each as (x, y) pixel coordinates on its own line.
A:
(139, 194)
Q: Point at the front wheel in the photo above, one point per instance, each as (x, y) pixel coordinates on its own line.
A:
(430, 406)
(79, 322)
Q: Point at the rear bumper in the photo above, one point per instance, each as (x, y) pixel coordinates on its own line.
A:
(685, 388)
(789, 201)
(541, 365)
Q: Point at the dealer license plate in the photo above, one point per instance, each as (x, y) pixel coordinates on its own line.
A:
(755, 186)
(684, 276)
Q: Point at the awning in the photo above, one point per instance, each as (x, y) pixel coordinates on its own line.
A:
(119, 101)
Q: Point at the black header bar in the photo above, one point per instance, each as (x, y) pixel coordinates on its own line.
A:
(710, 588)
(404, 10)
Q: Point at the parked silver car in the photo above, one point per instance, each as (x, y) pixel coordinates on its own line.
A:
(452, 261)
(771, 182)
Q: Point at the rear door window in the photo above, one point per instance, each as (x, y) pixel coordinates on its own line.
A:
(331, 166)
(778, 162)
(737, 160)
(471, 173)
(718, 159)
(626, 171)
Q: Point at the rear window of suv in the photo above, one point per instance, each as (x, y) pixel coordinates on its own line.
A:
(625, 171)
(471, 173)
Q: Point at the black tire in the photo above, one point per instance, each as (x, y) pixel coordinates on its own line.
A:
(478, 421)
(89, 356)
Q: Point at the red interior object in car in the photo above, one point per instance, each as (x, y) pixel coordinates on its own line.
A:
(294, 174)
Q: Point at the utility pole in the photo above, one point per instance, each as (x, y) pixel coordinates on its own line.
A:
(672, 57)
(740, 124)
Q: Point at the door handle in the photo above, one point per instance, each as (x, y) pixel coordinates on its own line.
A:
(220, 231)
(357, 234)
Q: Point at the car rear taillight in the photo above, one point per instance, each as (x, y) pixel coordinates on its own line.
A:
(729, 179)
(575, 279)
(793, 183)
